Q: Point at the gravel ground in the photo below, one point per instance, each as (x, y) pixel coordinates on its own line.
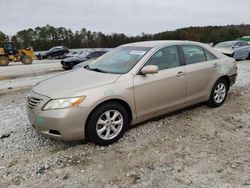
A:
(195, 147)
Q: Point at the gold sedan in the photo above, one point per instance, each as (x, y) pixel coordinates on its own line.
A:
(128, 85)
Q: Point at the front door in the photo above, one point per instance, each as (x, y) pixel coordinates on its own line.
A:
(162, 91)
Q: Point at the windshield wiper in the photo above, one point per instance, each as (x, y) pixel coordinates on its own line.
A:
(94, 69)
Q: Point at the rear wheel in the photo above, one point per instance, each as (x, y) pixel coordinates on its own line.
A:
(4, 61)
(107, 124)
(26, 60)
(219, 93)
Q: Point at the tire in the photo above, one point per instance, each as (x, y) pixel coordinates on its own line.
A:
(4, 61)
(248, 57)
(49, 57)
(219, 93)
(67, 68)
(26, 60)
(107, 126)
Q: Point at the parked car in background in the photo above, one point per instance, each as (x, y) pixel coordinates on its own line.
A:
(83, 64)
(128, 85)
(210, 44)
(239, 50)
(69, 63)
(54, 53)
(242, 53)
(70, 54)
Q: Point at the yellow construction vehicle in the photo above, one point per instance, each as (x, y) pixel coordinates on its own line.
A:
(9, 53)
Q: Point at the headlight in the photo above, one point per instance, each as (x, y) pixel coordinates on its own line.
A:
(63, 103)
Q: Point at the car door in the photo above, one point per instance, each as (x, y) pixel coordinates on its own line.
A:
(243, 51)
(163, 91)
(58, 52)
(52, 52)
(201, 69)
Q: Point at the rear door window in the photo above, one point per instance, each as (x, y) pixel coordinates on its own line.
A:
(244, 44)
(193, 54)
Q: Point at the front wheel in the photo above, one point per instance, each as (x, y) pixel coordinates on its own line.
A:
(4, 61)
(219, 93)
(107, 124)
(67, 68)
(26, 60)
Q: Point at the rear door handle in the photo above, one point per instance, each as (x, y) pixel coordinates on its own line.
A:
(179, 74)
(216, 65)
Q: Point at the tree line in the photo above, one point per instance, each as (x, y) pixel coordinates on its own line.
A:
(43, 38)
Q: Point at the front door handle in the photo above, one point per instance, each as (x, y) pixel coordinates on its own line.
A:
(179, 74)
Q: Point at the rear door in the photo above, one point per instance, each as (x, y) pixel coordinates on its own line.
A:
(162, 91)
(201, 68)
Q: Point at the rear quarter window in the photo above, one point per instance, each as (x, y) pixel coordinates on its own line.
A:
(210, 56)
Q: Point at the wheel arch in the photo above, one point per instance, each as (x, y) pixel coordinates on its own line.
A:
(225, 77)
(120, 101)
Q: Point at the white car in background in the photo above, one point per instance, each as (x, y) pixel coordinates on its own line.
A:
(239, 50)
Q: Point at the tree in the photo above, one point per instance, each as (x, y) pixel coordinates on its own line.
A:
(3, 37)
(43, 38)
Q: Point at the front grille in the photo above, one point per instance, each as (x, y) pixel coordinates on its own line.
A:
(33, 102)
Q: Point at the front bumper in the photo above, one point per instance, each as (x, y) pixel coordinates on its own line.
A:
(66, 124)
(69, 65)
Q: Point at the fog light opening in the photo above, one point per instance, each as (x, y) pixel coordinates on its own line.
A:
(55, 132)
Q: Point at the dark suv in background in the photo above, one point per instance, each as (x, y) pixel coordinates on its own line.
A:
(54, 53)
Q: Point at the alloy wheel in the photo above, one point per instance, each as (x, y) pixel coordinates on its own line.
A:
(109, 125)
(220, 92)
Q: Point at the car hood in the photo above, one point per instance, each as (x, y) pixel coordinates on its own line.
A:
(225, 50)
(76, 58)
(73, 83)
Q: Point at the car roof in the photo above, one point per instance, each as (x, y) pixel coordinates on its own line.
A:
(158, 43)
(233, 41)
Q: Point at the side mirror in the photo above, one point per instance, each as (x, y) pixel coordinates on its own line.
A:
(149, 69)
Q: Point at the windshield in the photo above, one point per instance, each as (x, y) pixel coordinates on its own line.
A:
(119, 60)
(84, 54)
(8, 46)
(53, 49)
(225, 44)
(81, 53)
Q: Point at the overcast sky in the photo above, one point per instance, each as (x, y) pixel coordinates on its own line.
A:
(122, 16)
